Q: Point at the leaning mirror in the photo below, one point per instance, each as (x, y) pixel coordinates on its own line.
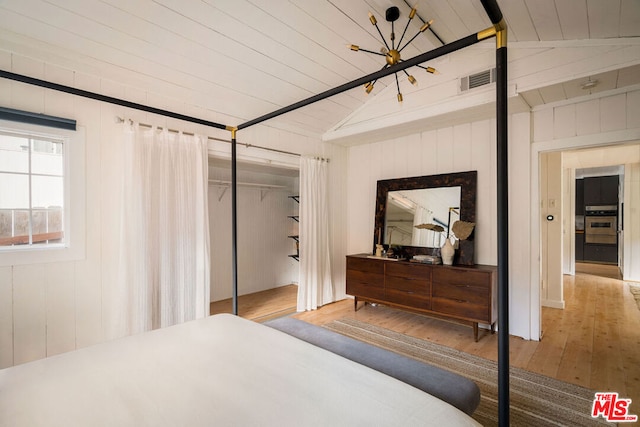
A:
(418, 213)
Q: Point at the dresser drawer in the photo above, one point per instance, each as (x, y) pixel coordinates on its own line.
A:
(366, 265)
(414, 279)
(462, 276)
(365, 278)
(461, 309)
(408, 299)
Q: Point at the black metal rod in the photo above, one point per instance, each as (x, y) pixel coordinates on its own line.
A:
(495, 15)
(234, 224)
(109, 99)
(427, 56)
(493, 10)
(503, 237)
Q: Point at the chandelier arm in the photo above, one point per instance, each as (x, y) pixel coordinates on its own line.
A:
(373, 52)
(381, 36)
(393, 36)
(397, 83)
(404, 32)
(409, 42)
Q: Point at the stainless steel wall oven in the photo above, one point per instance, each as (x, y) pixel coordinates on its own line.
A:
(601, 224)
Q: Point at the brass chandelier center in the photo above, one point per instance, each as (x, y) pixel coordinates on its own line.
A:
(393, 57)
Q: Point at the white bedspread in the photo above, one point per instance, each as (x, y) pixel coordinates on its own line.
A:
(218, 371)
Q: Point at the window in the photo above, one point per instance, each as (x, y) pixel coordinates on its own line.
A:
(31, 190)
(42, 194)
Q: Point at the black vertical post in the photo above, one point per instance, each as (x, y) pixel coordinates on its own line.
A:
(503, 237)
(234, 222)
(495, 15)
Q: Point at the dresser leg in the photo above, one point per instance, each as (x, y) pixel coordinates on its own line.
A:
(475, 331)
(493, 328)
(355, 303)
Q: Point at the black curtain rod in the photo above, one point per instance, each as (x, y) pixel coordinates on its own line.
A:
(108, 99)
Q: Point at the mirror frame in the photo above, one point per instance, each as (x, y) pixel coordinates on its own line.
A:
(467, 181)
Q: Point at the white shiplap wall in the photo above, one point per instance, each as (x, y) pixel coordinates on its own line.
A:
(464, 147)
(47, 309)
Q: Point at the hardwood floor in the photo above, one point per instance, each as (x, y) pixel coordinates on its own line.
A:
(593, 342)
(261, 306)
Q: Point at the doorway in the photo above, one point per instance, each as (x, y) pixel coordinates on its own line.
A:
(557, 220)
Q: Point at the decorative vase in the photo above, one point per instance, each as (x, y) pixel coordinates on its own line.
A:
(447, 252)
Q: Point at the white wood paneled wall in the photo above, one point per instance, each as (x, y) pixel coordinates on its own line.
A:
(460, 148)
(469, 146)
(46, 309)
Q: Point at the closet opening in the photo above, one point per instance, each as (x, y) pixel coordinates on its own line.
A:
(267, 273)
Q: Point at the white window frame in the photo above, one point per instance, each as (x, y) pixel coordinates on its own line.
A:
(73, 247)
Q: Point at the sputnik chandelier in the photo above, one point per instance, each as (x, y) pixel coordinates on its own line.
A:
(392, 53)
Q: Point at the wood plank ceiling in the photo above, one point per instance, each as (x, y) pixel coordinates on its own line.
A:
(240, 59)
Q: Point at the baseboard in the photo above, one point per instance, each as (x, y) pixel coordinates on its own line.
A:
(552, 303)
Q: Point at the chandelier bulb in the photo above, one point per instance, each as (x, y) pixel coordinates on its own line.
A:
(432, 70)
(354, 47)
(368, 88)
(372, 19)
(399, 97)
(425, 26)
(412, 80)
(412, 14)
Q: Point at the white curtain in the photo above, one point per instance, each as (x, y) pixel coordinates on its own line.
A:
(315, 287)
(164, 241)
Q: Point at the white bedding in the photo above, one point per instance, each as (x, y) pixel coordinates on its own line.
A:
(221, 370)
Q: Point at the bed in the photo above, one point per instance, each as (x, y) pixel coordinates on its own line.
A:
(221, 370)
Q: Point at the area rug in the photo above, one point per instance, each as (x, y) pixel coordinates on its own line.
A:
(635, 291)
(535, 400)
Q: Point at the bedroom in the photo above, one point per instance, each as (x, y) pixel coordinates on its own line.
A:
(49, 308)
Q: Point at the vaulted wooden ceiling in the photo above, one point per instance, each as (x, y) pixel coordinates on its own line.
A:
(240, 59)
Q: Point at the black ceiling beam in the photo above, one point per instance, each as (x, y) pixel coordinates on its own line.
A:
(109, 99)
(419, 59)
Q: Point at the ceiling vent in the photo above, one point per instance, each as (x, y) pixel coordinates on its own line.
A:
(473, 81)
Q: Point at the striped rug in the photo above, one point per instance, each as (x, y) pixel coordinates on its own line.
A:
(535, 400)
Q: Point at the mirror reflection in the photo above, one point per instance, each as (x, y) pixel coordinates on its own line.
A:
(421, 217)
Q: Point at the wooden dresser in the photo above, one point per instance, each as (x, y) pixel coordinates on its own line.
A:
(463, 293)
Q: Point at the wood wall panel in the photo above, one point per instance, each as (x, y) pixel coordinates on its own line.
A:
(29, 313)
(613, 112)
(588, 117)
(6, 317)
(60, 301)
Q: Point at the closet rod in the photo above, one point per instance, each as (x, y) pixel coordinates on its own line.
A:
(223, 183)
(213, 138)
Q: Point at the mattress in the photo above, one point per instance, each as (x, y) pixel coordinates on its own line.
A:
(222, 370)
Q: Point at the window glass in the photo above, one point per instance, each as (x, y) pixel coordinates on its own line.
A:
(14, 154)
(32, 192)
